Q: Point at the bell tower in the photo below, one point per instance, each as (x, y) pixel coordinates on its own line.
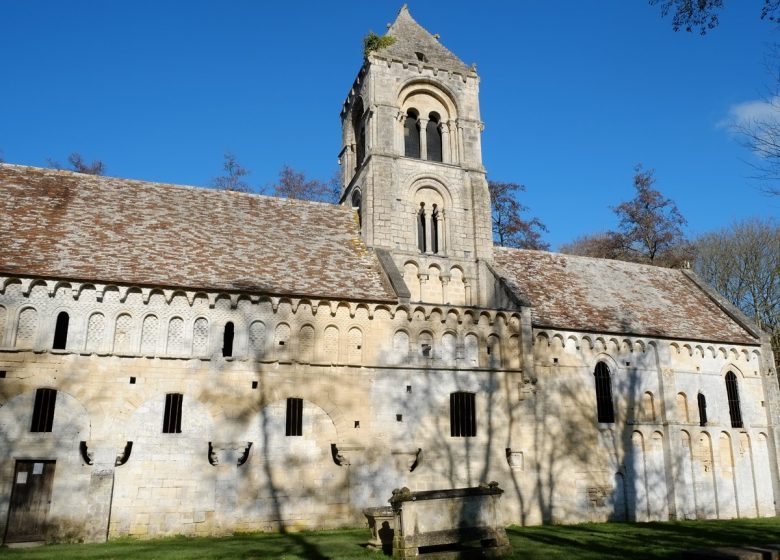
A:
(411, 164)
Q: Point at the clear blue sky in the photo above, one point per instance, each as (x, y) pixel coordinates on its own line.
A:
(574, 94)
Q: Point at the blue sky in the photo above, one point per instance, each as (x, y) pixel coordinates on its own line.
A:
(573, 93)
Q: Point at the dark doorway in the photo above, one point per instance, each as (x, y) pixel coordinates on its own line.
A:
(30, 501)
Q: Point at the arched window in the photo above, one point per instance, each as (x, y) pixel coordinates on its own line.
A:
(227, 340)
(435, 229)
(61, 331)
(411, 134)
(733, 393)
(433, 137)
(421, 228)
(605, 409)
(702, 404)
(357, 204)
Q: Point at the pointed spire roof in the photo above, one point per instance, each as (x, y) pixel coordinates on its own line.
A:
(411, 38)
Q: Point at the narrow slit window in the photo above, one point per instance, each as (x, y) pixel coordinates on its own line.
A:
(463, 415)
(61, 331)
(172, 415)
(294, 424)
(702, 402)
(227, 340)
(43, 410)
(735, 411)
(605, 408)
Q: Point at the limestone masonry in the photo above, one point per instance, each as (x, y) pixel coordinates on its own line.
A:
(176, 360)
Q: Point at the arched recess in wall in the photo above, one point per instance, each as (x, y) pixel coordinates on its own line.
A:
(400, 347)
(96, 332)
(150, 327)
(123, 334)
(26, 328)
(412, 280)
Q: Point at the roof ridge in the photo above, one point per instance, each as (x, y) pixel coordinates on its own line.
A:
(205, 189)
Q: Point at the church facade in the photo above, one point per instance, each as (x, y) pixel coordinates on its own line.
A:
(176, 360)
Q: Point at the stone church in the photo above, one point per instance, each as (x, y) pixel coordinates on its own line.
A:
(179, 360)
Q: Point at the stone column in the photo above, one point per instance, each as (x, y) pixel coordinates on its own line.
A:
(399, 135)
(423, 138)
(459, 140)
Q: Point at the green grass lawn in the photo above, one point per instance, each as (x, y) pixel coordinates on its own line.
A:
(587, 541)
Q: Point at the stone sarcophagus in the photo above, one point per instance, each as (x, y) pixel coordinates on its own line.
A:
(441, 518)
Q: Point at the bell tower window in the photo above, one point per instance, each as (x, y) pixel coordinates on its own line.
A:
(359, 130)
(411, 134)
(433, 137)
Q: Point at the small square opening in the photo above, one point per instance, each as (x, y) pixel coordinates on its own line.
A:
(132, 381)
(408, 388)
(555, 360)
(254, 384)
(2, 374)
(399, 417)
(357, 423)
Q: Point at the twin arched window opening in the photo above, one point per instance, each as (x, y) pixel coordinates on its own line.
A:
(423, 137)
(428, 229)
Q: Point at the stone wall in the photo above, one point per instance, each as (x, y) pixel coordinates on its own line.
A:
(375, 382)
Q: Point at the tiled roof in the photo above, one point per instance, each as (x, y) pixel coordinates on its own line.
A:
(601, 295)
(411, 38)
(82, 227)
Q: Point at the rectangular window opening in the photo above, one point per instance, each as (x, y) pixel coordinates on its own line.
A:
(408, 388)
(294, 423)
(2, 374)
(463, 418)
(254, 384)
(172, 415)
(43, 410)
(357, 423)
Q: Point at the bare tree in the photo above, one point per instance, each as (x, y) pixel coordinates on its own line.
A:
(650, 225)
(604, 245)
(80, 165)
(510, 229)
(232, 179)
(649, 230)
(702, 15)
(742, 262)
(294, 184)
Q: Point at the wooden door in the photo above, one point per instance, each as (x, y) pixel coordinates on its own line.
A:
(30, 500)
